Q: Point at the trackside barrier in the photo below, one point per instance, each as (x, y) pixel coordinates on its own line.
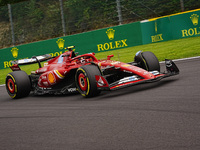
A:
(181, 25)
(166, 28)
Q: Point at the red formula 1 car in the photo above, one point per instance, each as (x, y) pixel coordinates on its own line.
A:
(69, 73)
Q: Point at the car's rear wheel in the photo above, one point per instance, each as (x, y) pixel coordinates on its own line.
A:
(18, 84)
(147, 61)
(85, 80)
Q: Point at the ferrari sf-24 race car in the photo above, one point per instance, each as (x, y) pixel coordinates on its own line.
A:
(71, 72)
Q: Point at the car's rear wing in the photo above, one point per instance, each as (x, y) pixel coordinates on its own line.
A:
(34, 59)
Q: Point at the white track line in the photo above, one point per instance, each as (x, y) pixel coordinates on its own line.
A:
(183, 59)
(161, 62)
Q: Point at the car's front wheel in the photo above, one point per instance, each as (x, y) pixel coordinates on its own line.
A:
(85, 80)
(147, 60)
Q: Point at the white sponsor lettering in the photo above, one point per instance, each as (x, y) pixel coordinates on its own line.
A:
(71, 89)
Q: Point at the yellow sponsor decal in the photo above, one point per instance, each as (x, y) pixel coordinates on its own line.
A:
(112, 45)
(192, 31)
(14, 51)
(7, 64)
(157, 38)
(156, 27)
(110, 33)
(195, 19)
(126, 65)
(60, 42)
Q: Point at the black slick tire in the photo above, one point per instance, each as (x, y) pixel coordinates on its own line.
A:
(85, 80)
(18, 84)
(148, 61)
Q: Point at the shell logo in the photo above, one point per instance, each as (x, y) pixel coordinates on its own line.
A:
(51, 78)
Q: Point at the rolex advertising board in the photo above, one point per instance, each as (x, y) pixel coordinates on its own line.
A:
(156, 31)
(95, 41)
(171, 27)
(185, 25)
(118, 37)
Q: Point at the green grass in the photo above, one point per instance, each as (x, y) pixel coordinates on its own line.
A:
(182, 48)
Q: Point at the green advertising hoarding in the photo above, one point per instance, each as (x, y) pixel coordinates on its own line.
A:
(95, 41)
(156, 31)
(185, 25)
(171, 27)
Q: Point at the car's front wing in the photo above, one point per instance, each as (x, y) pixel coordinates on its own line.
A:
(102, 83)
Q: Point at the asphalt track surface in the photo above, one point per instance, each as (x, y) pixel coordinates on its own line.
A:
(157, 116)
